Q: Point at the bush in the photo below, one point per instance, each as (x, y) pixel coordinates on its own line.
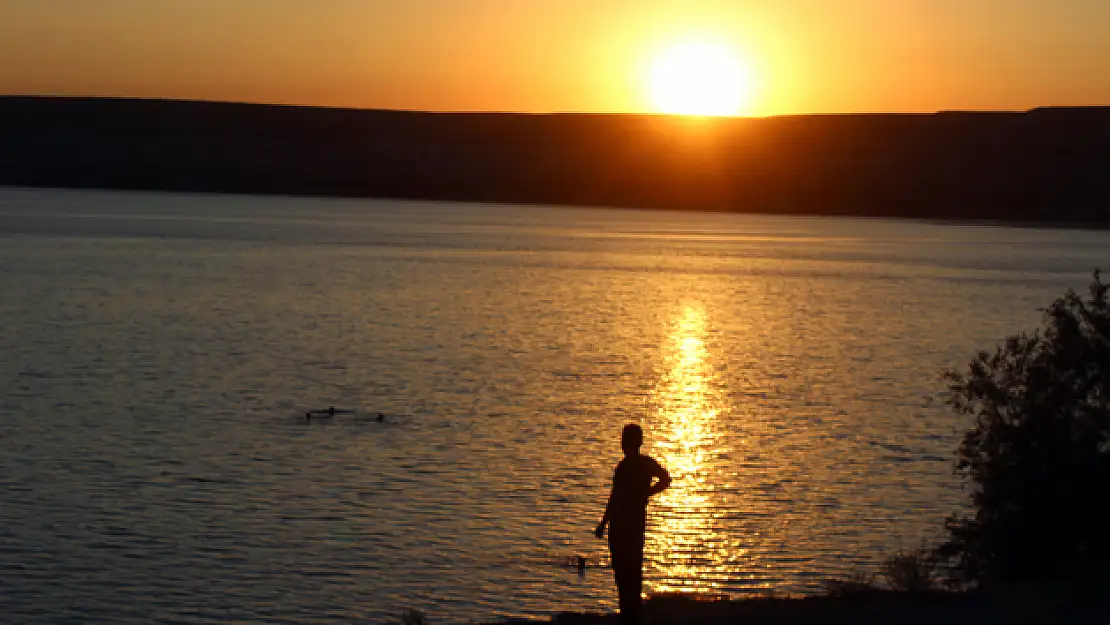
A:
(857, 584)
(1037, 459)
(911, 571)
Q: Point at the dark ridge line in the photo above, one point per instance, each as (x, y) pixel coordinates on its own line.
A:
(1047, 165)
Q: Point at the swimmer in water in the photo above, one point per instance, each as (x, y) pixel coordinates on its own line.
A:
(330, 412)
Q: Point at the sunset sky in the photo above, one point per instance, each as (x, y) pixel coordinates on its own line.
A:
(796, 56)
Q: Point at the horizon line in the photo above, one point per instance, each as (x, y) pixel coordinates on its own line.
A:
(291, 105)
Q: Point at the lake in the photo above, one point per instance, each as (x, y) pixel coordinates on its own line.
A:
(159, 353)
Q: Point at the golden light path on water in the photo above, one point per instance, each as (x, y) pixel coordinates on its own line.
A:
(686, 551)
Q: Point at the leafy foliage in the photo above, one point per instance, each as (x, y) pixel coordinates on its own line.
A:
(1037, 458)
(911, 571)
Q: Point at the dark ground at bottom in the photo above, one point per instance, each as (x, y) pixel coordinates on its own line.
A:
(872, 608)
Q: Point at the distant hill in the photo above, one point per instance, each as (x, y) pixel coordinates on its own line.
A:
(1049, 164)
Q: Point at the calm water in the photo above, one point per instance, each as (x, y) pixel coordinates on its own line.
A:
(158, 350)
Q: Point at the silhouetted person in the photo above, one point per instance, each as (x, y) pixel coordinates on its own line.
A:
(626, 516)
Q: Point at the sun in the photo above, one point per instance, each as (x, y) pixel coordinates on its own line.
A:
(699, 78)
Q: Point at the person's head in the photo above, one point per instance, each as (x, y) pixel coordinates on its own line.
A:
(632, 437)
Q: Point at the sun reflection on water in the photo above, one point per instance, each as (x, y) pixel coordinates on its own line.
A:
(686, 551)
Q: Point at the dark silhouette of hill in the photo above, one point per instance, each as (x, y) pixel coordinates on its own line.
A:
(1049, 164)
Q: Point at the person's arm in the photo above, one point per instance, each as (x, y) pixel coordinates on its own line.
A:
(600, 531)
(663, 480)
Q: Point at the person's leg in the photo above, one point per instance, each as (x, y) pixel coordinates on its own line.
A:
(626, 571)
(628, 591)
(630, 603)
(627, 549)
(635, 577)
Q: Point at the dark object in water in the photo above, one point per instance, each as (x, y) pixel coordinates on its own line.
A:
(581, 566)
(327, 413)
(331, 411)
(372, 417)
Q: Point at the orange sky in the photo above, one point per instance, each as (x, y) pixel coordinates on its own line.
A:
(560, 55)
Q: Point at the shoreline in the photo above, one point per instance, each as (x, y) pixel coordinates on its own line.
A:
(944, 221)
(872, 607)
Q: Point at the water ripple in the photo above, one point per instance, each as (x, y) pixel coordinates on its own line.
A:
(161, 352)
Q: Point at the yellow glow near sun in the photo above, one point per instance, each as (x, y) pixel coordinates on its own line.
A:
(699, 78)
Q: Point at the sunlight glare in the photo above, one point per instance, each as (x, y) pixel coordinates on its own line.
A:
(689, 401)
(702, 78)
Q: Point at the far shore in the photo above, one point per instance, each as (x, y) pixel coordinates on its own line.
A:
(1045, 166)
